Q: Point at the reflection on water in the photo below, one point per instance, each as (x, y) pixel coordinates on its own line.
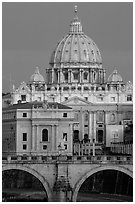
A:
(102, 197)
(18, 185)
(9, 195)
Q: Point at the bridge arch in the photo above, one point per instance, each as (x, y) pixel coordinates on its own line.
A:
(34, 173)
(95, 170)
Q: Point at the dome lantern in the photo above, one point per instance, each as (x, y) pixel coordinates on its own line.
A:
(75, 26)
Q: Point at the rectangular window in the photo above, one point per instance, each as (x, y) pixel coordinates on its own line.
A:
(66, 98)
(24, 115)
(113, 99)
(39, 98)
(44, 147)
(86, 98)
(65, 137)
(24, 146)
(24, 137)
(129, 98)
(100, 98)
(86, 88)
(65, 145)
(64, 115)
(23, 97)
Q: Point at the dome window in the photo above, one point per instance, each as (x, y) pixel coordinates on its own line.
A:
(73, 88)
(75, 51)
(66, 76)
(94, 76)
(75, 76)
(66, 88)
(83, 43)
(85, 76)
(92, 52)
(86, 88)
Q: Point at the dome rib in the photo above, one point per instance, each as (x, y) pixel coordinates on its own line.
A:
(57, 48)
(71, 48)
(63, 49)
(79, 50)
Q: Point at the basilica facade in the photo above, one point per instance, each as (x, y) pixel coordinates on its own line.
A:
(101, 107)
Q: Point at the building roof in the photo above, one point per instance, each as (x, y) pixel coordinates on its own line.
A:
(6, 95)
(35, 104)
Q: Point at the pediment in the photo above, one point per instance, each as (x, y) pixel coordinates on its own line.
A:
(23, 88)
(76, 101)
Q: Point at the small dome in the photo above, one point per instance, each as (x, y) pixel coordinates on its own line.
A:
(76, 47)
(37, 77)
(115, 77)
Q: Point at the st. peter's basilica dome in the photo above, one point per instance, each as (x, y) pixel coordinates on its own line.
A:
(76, 48)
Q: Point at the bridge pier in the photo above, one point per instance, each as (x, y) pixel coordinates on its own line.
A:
(62, 191)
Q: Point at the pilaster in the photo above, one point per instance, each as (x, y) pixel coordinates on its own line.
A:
(94, 126)
(53, 138)
(33, 138)
(90, 126)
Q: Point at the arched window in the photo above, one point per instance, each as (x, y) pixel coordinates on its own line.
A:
(86, 139)
(76, 136)
(44, 135)
(112, 117)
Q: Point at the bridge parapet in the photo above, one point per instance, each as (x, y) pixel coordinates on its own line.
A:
(98, 159)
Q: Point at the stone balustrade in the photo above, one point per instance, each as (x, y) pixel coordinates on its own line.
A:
(120, 148)
(70, 159)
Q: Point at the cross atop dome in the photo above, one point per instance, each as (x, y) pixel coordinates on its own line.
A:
(75, 9)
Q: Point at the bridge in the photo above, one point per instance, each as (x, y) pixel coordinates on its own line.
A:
(62, 176)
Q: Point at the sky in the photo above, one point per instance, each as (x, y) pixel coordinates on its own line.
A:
(31, 30)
